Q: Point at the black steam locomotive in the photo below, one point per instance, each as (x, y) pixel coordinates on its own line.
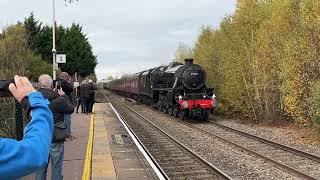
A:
(177, 89)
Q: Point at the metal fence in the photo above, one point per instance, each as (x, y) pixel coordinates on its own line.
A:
(12, 119)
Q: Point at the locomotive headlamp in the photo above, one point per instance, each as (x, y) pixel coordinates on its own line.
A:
(180, 97)
(185, 105)
(204, 96)
(213, 96)
(214, 103)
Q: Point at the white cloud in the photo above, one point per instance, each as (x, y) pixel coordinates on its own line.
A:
(183, 32)
(127, 35)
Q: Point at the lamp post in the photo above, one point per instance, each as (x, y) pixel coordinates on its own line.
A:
(54, 51)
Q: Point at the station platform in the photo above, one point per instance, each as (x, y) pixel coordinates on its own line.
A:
(114, 154)
(102, 150)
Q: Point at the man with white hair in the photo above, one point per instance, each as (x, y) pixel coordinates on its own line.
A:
(60, 105)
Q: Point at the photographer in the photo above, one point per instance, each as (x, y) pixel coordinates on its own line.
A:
(20, 158)
(59, 105)
(64, 81)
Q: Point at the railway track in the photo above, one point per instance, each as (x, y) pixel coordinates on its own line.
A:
(296, 162)
(272, 143)
(177, 160)
(293, 161)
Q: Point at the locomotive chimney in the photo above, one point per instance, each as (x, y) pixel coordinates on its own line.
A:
(188, 61)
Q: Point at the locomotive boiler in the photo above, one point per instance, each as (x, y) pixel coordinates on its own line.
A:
(177, 89)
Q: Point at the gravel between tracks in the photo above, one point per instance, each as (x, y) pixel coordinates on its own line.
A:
(293, 160)
(236, 163)
(284, 135)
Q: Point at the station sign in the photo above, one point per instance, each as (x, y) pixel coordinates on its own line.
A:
(61, 58)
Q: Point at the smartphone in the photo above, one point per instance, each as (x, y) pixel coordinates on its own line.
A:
(4, 88)
(58, 85)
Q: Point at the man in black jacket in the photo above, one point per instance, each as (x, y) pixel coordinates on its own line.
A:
(64, 82)
(67, 88)
(91, 89)
(60, 105)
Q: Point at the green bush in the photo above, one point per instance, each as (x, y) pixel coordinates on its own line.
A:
(37, 67)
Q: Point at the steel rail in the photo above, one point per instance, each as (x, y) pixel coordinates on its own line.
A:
(277, 164)
(213, 168)
(272, 143)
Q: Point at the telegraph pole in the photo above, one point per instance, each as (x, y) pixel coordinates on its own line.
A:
(54, 51)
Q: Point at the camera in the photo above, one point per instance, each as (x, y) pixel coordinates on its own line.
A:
(58, 85)
(4, 88)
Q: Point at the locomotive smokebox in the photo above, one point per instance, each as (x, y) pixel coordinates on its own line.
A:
(188, 61)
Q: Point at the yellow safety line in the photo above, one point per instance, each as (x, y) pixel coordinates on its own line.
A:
(87, 165)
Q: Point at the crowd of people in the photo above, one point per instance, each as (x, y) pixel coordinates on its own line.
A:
(85, 96)
(50, 110)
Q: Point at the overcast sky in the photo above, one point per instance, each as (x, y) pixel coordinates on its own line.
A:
(127, 35)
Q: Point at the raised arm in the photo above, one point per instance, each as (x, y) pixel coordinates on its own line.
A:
(20, 158)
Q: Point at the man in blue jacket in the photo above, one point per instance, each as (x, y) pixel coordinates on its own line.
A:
(20, 158)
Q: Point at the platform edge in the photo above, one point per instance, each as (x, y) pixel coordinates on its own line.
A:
(87, 166)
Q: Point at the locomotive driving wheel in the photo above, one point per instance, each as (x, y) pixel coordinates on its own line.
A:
(205, 115)
(175, 112)
(183, 114)
(164, 109)
(170, 111)
(155, 106)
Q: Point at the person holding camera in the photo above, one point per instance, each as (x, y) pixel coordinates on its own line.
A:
(64, 82)
(20, 158)
(60, 105)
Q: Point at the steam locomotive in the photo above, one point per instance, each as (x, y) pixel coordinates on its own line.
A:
(177, 89)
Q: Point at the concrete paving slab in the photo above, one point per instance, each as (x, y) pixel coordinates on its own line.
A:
(75, 150)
